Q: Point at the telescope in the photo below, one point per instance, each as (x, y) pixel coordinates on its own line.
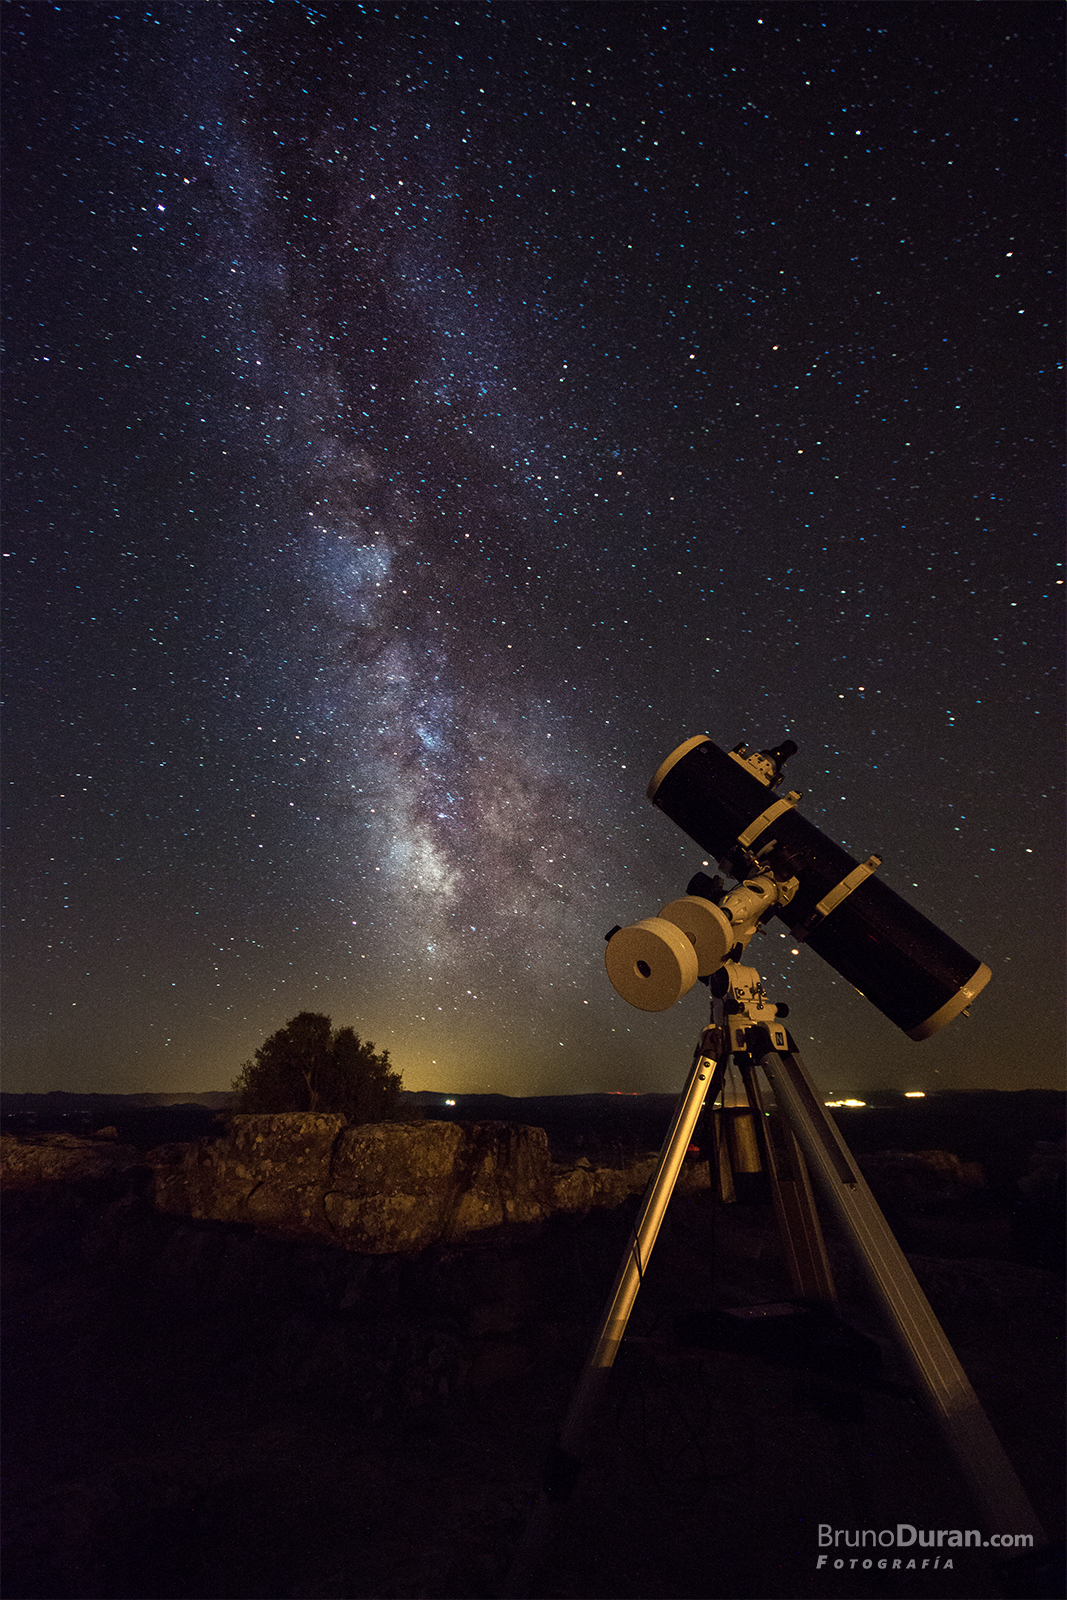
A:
(915, 974)
(724, 800)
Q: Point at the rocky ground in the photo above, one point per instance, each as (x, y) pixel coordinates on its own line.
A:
(196, 1410)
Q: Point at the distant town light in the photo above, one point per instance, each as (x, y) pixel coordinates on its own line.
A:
(835, 1103)
(915, 1094)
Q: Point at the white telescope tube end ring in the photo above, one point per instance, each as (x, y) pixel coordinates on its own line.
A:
(651, 964)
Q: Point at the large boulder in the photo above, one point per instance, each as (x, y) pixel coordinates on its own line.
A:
(379, 1188)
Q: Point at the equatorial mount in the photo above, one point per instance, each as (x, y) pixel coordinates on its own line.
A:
(652, 963)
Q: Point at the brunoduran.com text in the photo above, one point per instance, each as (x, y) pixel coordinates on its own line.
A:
(905, 1536)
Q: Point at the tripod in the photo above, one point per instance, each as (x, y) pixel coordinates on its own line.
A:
(745, 1027)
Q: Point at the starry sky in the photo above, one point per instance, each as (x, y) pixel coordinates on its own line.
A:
(422, 418)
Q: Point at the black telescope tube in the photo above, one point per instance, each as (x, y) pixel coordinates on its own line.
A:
(915, 974)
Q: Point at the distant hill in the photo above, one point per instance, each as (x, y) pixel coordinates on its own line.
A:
(139, 1119)
(61, 1100)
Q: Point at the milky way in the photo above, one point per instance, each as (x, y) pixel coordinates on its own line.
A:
(423, 419)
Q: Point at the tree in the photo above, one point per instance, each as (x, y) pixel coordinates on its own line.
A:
(308, 1066)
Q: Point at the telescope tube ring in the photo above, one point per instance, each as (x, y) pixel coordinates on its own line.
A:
(840, 892)
(765, 818)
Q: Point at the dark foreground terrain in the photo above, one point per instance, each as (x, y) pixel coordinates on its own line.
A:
(193, 1410)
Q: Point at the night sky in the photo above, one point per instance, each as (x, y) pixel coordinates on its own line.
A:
(421, 419)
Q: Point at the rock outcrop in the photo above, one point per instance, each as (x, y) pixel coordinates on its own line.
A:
(377, 1188)
(46, 1158)
(906, 1179)
(583, 1187)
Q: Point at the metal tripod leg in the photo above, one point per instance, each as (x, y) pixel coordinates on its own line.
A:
(565, 1464)
(794, 1204)
(941, 1379)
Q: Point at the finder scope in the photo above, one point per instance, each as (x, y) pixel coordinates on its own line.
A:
(915, 974)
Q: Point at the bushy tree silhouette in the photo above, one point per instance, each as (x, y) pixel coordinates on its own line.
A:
(309, 1066)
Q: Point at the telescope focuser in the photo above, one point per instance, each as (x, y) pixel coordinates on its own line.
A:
(766, 765)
